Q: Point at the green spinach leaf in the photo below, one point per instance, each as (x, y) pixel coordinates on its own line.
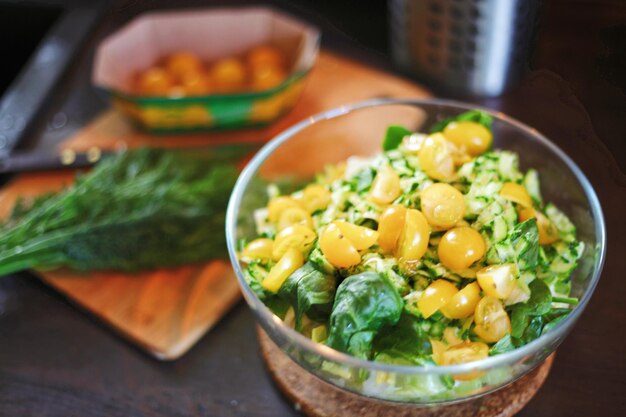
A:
(533, 330)
(503, 345)
(319, 261)
(360, 343)
(540, 300)
(310, 292)
(364, 304)
(393, 137)
(519, 322)
(469, 116)
(363, 180)
(522, 314)
(554, 317)
(406, 341)
(253, 275)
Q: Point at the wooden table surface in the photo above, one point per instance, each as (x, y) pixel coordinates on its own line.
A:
(57, 361)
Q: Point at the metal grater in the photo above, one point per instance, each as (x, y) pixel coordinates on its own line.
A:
(466, 47)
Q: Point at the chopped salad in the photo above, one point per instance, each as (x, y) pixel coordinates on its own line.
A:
(438, 250)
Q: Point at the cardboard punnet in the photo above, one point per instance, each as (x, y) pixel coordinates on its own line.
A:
(211, 34)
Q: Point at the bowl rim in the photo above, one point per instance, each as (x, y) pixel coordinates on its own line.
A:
(328, 353)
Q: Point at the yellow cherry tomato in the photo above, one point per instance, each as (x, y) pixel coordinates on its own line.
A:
(176, 91)
(294, 215)
(516, 193)
(435, 158)
(314, 197)
(414, 237)
(228, 75)
(266, 78)
(460, 247)
(413, 143)
(465, 352)
(438, 348)
(386, 186)
(463, 303)
(470, 137)
(259, 249)
(182, 63)
(450, 335)
(497, 280)
(459, 156)
(195, 84)
(277, 205)
(492, 321)
(435, 296)
(458, 353)
(548, 233)
(461, 223)
(390, 225)
(291, 260)
(295, 236)
(442, 205)
(360, 237)
(336, 247)
(265, 56)
(154, 82)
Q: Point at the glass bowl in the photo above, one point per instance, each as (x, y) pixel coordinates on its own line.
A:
(357, 129)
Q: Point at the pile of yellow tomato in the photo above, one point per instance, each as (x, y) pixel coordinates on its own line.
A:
(405, 234)
(183, 74)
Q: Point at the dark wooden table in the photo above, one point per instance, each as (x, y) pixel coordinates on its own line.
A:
(57, 361)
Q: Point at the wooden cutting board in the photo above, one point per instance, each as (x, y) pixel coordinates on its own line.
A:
(166, 311)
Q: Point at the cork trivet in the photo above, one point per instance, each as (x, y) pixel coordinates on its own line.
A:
(316, 398)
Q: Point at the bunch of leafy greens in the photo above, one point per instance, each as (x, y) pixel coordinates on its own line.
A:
(141, 209)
